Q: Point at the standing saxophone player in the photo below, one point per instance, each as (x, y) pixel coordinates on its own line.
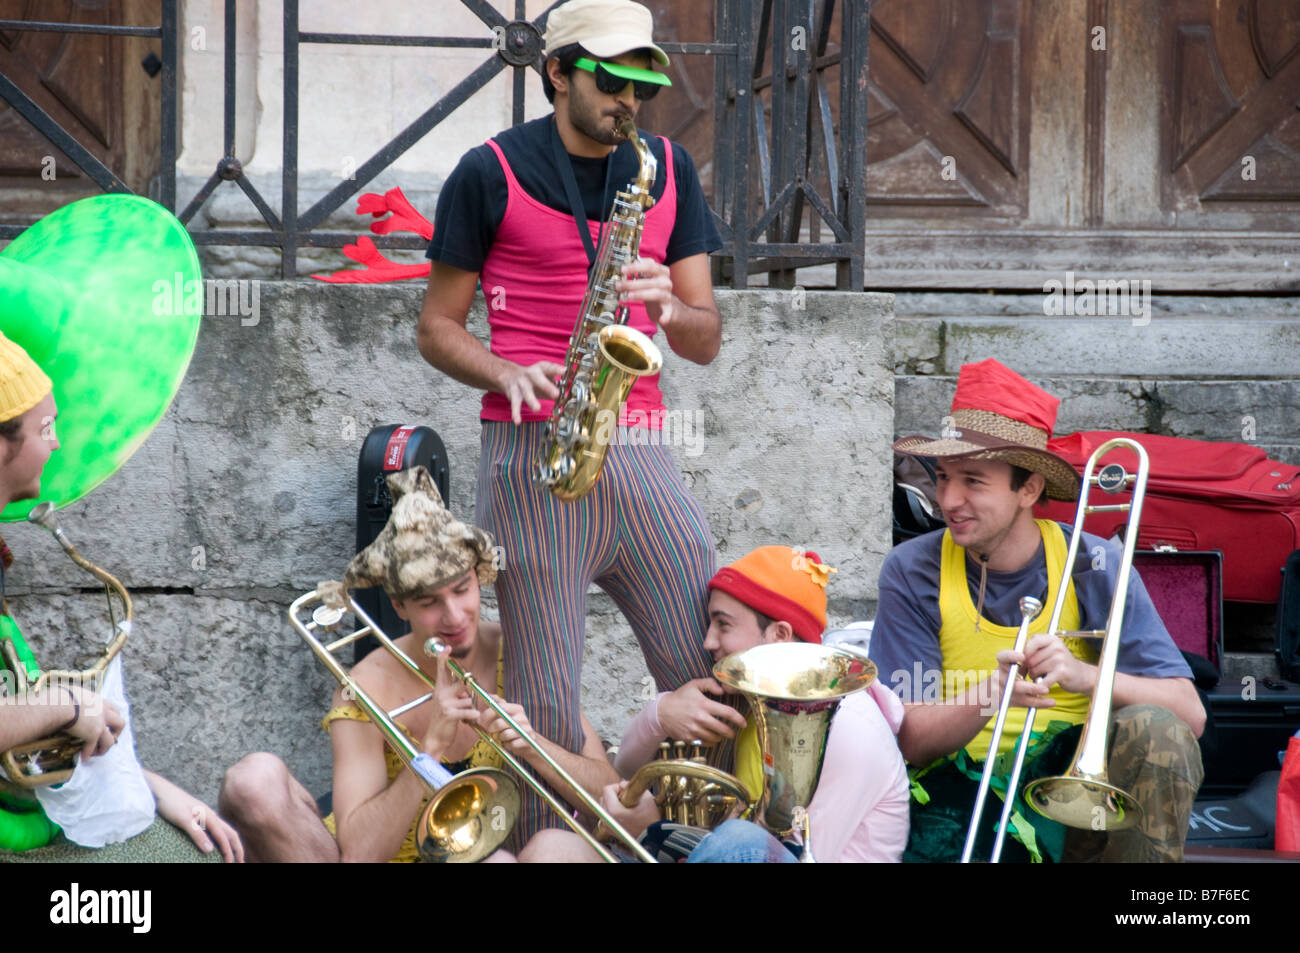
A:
(506, 216)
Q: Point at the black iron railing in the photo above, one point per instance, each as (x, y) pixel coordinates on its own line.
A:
(802, 203)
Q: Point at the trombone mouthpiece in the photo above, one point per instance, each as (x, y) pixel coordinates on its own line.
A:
(1030, 607)
(43, 515)
(435, 647)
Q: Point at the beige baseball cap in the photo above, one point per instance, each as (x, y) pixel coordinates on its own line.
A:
(603, 28)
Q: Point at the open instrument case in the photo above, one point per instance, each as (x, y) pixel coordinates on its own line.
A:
(1250, 718)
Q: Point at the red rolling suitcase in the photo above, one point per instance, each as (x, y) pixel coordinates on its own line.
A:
(1202, 495)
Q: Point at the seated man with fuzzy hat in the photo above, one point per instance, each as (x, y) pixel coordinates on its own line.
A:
(948, 616)
(431, 565)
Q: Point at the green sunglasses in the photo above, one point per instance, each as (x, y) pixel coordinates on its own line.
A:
(612, 78)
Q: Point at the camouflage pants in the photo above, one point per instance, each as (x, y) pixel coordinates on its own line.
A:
(1155, 757)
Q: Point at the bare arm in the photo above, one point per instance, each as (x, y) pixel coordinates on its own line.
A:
(1048, 658)
(446, 343)
(38, 717)
(931, 731)
(25, 718)
(372, 816)
(589, 767)
(204, 826)
(679, 298)
(1176, 694)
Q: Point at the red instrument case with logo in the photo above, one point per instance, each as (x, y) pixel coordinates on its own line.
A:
(1201, 495)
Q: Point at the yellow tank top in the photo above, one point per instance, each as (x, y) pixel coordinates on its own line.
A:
(482, 755)
(970, 655)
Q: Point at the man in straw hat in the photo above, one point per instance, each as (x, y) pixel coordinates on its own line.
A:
(28, 416)
(431, 565)
(523, 215)
(948, 616)
(860, 809)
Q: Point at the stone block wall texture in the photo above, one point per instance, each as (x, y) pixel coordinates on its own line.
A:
(244, 497)
(1206, 368)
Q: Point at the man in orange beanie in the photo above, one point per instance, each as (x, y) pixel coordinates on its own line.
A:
(859, 811)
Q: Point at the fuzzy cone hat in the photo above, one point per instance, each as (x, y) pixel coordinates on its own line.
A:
(422, 548)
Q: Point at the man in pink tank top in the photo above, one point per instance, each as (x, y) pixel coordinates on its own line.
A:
(523, 216)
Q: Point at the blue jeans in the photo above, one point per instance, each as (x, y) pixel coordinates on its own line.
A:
(741, 842)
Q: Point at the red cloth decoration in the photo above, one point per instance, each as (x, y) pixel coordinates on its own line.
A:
(376, 267)
(1287, 832)
(995, 387)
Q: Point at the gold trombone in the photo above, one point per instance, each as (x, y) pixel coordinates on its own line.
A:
(1083, 797)
(455, 825)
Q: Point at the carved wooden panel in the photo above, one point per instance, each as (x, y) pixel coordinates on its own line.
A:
(949, 108)
(1231, 120)
(75, 78)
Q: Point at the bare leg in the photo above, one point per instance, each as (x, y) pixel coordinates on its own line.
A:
(275, 815)
(558, 847)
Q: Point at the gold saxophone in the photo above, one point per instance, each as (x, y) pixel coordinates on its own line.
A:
(605, 356)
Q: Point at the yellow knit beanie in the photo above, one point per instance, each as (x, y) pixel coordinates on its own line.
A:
(23, 384)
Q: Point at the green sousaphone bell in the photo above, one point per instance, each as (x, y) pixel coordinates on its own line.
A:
(104, 294)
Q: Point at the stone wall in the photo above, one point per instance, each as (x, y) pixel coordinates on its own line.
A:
(244, 498)
(1208, 368)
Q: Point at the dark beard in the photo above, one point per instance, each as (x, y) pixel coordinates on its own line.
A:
(588, 121)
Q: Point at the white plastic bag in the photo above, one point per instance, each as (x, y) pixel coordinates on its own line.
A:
(107, 799)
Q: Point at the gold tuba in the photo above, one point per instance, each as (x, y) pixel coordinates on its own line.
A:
(605, 356)
(793, 690)
(52, 760)
(687, 789)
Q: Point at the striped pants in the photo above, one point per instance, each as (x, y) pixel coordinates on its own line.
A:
(638, 534)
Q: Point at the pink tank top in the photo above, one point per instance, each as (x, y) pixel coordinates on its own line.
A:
(534, 279)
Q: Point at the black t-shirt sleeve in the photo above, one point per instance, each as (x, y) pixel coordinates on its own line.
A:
(694, 231)
(471, 205)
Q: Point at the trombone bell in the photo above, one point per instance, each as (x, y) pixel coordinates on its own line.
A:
(452, 827)
(1085, 803)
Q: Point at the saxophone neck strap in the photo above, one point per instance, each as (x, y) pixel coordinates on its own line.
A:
(571, 193)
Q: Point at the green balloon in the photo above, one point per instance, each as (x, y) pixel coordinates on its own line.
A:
(105, 294)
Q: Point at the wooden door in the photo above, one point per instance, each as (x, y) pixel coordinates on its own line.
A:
(1230, 128)
(1014, 140)
(684, 111)
(94, 86)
